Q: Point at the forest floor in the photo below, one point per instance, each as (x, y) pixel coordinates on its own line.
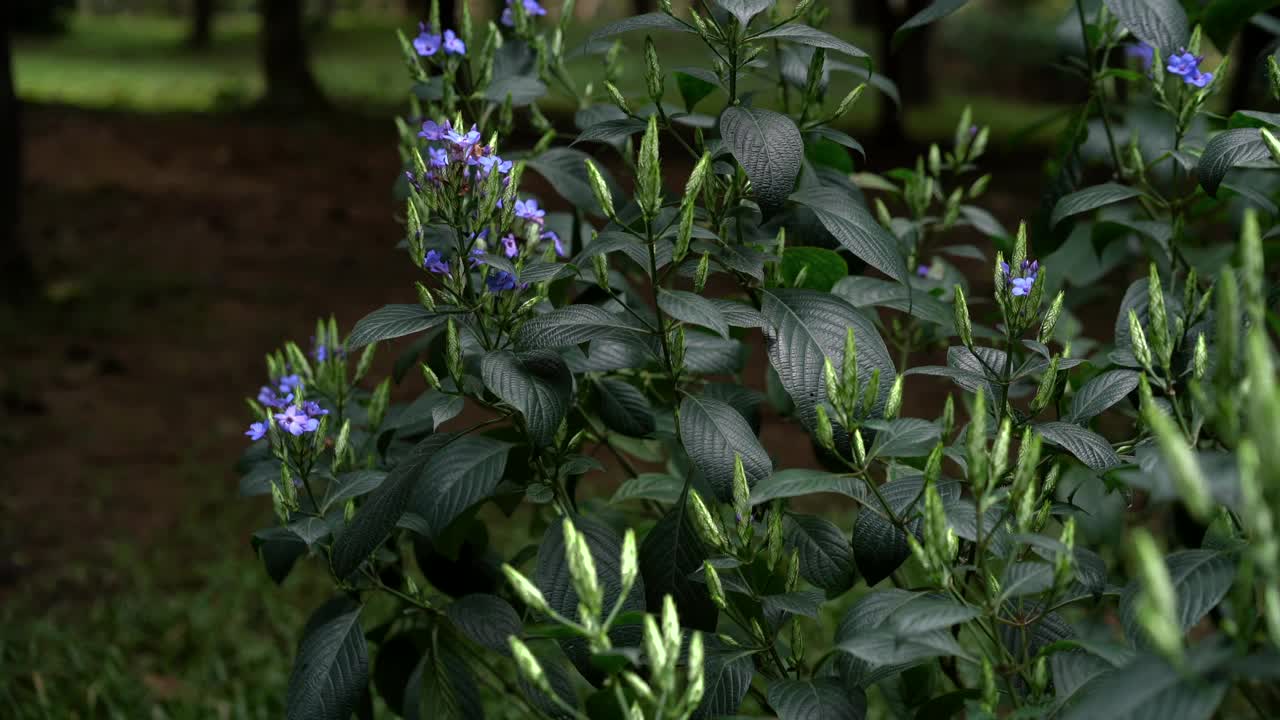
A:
(174, 251)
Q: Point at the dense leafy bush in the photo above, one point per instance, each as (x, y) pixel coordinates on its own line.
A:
(1085, 531)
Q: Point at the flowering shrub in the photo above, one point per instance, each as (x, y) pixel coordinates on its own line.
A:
(1085, 531)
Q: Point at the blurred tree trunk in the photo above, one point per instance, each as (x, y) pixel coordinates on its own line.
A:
(1251, 70)
(640, 7)
(201, 24)
(17, 276)
(421, 10)
(907, 65)
(290, 83)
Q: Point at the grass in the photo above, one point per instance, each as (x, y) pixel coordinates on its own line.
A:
(139, 64)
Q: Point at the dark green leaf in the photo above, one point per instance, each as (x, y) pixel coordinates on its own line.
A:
(331, 671)
(572, 325)
(537, 383)
(1201, 579)
(855, 229)
(611, 132)
(806, 327)
(1025, 578)
(648, 21)
(457, 477)
(1091, 198)
(650, 486)
(487, 620)
(432, 406)
(279, 548)
(393, 321)
(935, 12)
(1087, 446)
(378, 516)
(670, 553)
(769, 148)
(868, 633)
(823, 268)
(693, 309)
(874, 292)
(817, 699)
(744, 10)
(693, 88)
(1227, 150)
(523, 89)
(727, 674)
(878, 546)
(1158, 23)
(811, 36)
(797, 482)
(565, 169)
(904, 437)
(713, 433)
(826, 559)
(1149, 688)
(1101, 393)
(623, 408)
(801, 602)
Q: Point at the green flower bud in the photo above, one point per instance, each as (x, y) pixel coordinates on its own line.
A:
(528, 593)
(962, 136)
(653, 71)
(1181, 462)
(990, 693)
(378, 403)
(1252, 270)
(979, 187)
(774, 539)
(935, 160)
(529, 666)
(686, 229)
(706, 524)
(1161, 343)
(976, 442)
(859, 449)
(1000, 450)
(1040, 675)
(601, 190)
(1028, 459)
(741, 492)
(846, 104)
(894, 405)
(654, 648)
(600, 266)
(871, 393)
(1158, 602)
(700, 275)
(629, 567)
(677, 344)
(1272, 144)
(948, 416)
(849, 363)
(793, 570)
(1138, 341)
(714, 588)
(933, 466)
(694, 684)
(883, 215)
(279, 504)
(1050, 319)
(951, 211)
(649, 171)
(410, 587)
(1044, 393)
(797, 641)
(429, 376)
(823, 429)
(1200, 360)
(1273, 75)
(980, 143)
(832, 384)
(963, 327)
(616, 96)
(638, 686)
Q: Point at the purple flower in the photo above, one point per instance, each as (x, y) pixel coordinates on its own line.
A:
(257, 431)
(1200, 79)
(426, 44)
(312, 408)
(922, 271)
(453, 44)
(1187, 65)
(509, 246)
(464, 141)
(531, 8)
(529, 210)
(1143, 52)
(502, 280)
(553, 237)
(1024, 280)
(477, 257)
(435, 263)
(289, 382)
(437, 157)
(488, 163)
(296, 422)
(432, 131)
(412, 180)
(268, 398)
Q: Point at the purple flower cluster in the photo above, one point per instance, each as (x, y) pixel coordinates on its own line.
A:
(1187, 66)
(296, 418)
(428, 44)
(321, 352)
(531, 8)
(1025, 279)
(1143, 52)
(453, 151)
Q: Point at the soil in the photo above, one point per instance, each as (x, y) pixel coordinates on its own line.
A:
(174, 251)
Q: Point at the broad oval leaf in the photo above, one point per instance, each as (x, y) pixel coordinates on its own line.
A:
(904, 437)
(458, 476)
(1101, 393)
(693, 309)
(805, 327)
(744, 10)
(798, 481)
(670, 553)
(393, 321)
(935, 12)
(826, 559)
(537, 383)
(573, 325)
(648, 21)
(611, 132)
(1149, 688)
(650, 486)
(727, 674)
(769, 148)
(878, 546)
(331, 672)
(1085, 445)
(623, 408)
(487, 620)
(817, 699)
(565, 169)
(811, 36)
(378, 515)
(713, 433)
(1091, 198)
(1227, 150)
(1158, 23)
(822, 268)
(855, 228)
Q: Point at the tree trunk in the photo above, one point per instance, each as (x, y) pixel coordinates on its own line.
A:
(201, 24)
(290, 84)
(907, 65)
(640, 7)
(17, 276)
